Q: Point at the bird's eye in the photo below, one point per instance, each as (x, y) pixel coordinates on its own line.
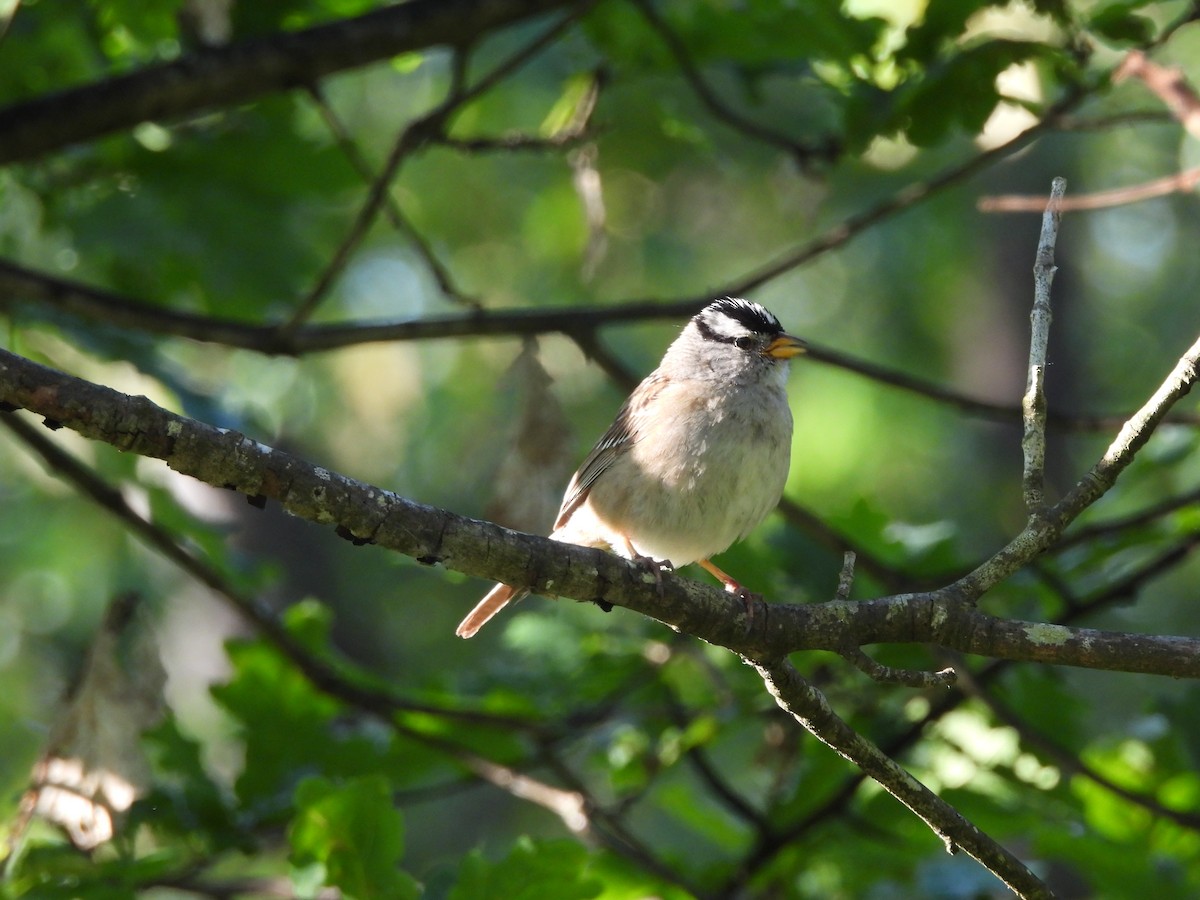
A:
(745, 343)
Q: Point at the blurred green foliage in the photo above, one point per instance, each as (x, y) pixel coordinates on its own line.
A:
(690, 780)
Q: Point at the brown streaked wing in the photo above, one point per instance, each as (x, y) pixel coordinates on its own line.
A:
(619, 434)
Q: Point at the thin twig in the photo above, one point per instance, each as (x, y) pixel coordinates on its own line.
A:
(391, 208)
(1033, 404)
(846, 576)
(1121, 524)
(93, 304)
(913, 678)
(1132, 119)
(414, 136)
(1044, 529)
(1179, 183)
(825, 150)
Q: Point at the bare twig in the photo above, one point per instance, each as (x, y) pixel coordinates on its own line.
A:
(846, 576)
(391, 207)
(1131, 119)
(570, 806)
(984, 409)
(1046, 527)
(891, 675)
(1181, 100)
(1033, 404)
(413, 137)
(576, 129)
(1121, 524)
(1159, 187)
(1178, 96)
(903, 199)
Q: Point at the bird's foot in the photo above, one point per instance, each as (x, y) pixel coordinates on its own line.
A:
(653, 568)
(748, 597)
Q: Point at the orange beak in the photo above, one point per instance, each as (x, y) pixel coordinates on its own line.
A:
(785, 347)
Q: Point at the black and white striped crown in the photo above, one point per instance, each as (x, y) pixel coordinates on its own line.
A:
(731, 318)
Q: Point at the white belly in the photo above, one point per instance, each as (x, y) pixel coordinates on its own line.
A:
(712, 476)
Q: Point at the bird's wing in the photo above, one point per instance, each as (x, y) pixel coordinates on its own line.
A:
(621, 433)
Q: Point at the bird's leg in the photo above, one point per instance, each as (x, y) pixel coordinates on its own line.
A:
(654, 566)
(748, 597)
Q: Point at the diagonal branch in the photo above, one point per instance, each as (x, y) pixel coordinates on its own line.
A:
(810, 708)
(414, 136)
(395, 215)
(825, 150)
(579, 811)
(1044, 529)
(233, 74)
(1179, 183)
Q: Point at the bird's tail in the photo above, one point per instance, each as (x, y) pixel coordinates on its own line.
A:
(494, 601)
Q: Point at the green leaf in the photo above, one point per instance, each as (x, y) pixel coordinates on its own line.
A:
(773, 35)
(533, 870)
(942, 23)
(288, 729)
(185, 800)
(1118, 23)
(960, 92)
(355, 834)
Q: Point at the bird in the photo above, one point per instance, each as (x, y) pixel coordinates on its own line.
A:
(696, 457)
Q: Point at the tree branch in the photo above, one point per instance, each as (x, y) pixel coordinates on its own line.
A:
(229, 75)
(1179, 183)
(1043, 529)
(944, 702)
(371, 515)
(1033, 404)
(93, 304)
(415, 135)
(810, 708)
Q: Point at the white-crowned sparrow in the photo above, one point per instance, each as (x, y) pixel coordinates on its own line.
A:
(696, 457)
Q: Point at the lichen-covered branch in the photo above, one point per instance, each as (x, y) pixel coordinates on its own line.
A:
(370, 514)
